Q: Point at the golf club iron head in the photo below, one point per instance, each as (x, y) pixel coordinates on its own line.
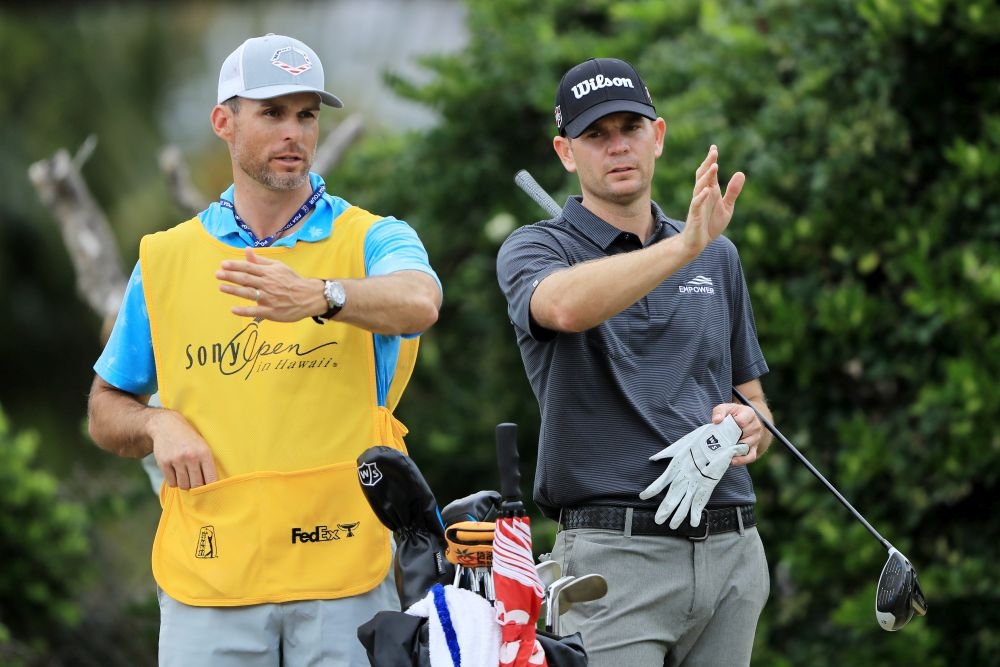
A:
(567, 591)
(899, 595)
(548, 571)
(551, 601)
(582, 589)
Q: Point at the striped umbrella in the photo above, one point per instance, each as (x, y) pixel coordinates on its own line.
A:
(516, 584)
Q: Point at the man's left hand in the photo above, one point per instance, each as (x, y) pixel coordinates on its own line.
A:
(276, 291)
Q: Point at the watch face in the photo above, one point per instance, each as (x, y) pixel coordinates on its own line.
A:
(335, 294)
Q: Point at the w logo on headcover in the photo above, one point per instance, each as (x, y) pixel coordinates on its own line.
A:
(369, 474)
(294, 70)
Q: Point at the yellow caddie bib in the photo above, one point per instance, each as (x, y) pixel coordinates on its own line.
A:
(286, 409)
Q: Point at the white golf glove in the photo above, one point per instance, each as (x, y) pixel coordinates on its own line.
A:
(700, 459)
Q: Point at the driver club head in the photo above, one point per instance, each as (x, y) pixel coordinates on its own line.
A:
(899, 595)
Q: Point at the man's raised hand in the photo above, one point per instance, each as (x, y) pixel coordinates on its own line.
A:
(710, 210)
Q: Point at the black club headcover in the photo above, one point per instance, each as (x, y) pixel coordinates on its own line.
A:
(402, 500)
(480, 506)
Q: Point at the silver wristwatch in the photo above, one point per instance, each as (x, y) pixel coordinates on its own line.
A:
(335, 296)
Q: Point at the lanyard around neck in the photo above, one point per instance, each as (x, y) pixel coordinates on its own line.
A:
(263, 243)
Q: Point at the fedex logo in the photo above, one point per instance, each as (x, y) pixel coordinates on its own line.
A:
(319, 534)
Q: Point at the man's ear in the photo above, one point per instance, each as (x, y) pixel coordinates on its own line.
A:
(564, 150)
(222, 121)
(660, 129)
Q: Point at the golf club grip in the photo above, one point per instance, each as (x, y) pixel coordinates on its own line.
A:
(508, 463)
(530, 186)
(816, 473)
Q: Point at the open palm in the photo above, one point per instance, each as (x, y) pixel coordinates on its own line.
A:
(711, 210)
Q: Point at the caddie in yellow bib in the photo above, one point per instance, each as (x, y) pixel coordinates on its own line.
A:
(277, 329)
(286, 409)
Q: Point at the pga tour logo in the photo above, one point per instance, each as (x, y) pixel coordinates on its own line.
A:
(699, 285)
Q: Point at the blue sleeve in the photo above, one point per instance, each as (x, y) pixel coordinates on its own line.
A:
(392, 245)
(127, 360)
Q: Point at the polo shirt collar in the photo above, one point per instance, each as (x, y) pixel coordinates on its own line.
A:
(220, 223)
(603, 234)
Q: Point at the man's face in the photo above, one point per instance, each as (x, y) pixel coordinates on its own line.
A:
(274, 141)
(615, 156)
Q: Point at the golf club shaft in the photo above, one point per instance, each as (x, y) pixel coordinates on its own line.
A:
(804, 461)
(530, 186)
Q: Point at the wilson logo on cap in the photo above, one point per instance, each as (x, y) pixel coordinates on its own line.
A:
(596, 83)
(291, 69)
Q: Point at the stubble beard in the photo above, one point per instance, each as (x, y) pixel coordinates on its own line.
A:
(259, 169)
(261, 172)
(601, 187)
(616, 196)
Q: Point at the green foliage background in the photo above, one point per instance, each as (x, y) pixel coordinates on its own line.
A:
(870, 134)
(868, 230)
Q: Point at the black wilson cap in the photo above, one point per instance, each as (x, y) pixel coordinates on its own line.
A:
(596, 88)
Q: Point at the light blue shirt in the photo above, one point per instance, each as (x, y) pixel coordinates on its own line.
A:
(390, 245)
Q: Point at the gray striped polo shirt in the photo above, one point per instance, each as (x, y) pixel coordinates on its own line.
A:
(614, 395)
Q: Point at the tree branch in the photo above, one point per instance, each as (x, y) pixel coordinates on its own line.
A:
(185, 194)
(333, 148)
(85, 229)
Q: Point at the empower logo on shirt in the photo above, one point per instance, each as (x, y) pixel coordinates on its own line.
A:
(698, 285)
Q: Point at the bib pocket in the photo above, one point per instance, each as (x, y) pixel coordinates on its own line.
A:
(270, 537)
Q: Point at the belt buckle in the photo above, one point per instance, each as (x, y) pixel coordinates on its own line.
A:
(704, 535)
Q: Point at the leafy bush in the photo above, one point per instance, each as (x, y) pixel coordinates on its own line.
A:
(43, 550)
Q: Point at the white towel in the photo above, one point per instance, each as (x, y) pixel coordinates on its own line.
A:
(462, 627)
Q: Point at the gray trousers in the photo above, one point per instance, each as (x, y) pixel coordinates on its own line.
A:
(670, 601)
(291, 634)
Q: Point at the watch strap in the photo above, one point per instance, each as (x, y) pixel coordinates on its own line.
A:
(328, 315)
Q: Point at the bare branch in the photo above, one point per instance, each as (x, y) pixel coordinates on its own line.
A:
(179, 182)
(85, 229)
(333, 148)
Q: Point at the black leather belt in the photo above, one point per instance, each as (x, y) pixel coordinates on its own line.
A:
(713, 521)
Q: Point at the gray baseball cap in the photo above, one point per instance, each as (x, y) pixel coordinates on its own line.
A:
(271, 66)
